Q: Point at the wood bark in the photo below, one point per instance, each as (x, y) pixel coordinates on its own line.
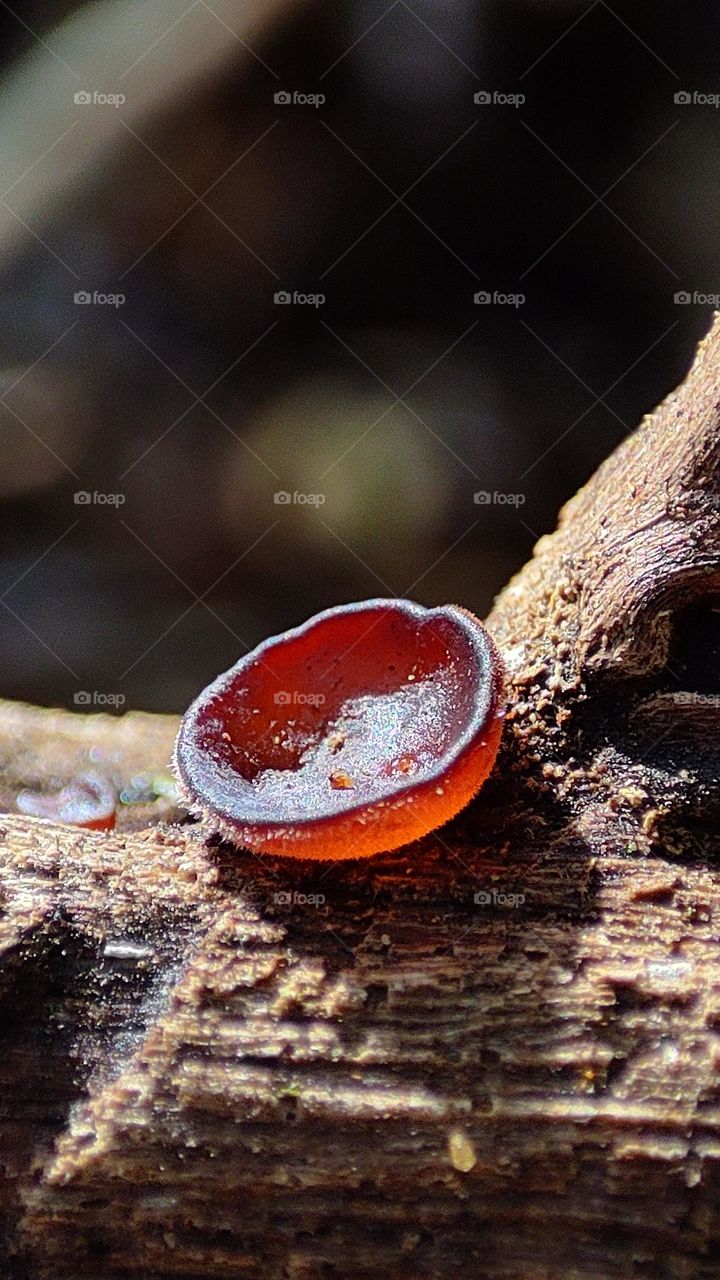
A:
(495, 1052)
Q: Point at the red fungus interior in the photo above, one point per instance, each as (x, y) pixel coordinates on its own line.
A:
(344, 713)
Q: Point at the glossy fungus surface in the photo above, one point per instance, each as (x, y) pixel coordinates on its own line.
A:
(88, 801)
(357, 732)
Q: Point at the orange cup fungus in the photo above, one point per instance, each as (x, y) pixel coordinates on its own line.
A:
(359, 731)
(88, 801)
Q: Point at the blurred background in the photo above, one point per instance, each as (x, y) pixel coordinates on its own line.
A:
(190, 461)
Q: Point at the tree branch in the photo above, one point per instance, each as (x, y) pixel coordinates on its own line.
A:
(496, 1050)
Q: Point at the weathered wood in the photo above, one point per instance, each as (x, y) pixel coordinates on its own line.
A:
(495, 1053)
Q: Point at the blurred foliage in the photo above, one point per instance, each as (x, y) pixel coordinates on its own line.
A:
(398, 398)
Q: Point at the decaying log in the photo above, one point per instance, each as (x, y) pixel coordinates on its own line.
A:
(495, 1053)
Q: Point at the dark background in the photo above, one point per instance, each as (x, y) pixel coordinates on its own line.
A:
(515, 400)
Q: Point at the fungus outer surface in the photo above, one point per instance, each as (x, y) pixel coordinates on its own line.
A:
(359, 731)
(88, 801)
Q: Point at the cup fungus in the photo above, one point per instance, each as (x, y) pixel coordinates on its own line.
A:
(88, 801)
(361, 730)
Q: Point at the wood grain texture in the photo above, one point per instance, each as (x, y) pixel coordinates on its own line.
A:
(493, 1053)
